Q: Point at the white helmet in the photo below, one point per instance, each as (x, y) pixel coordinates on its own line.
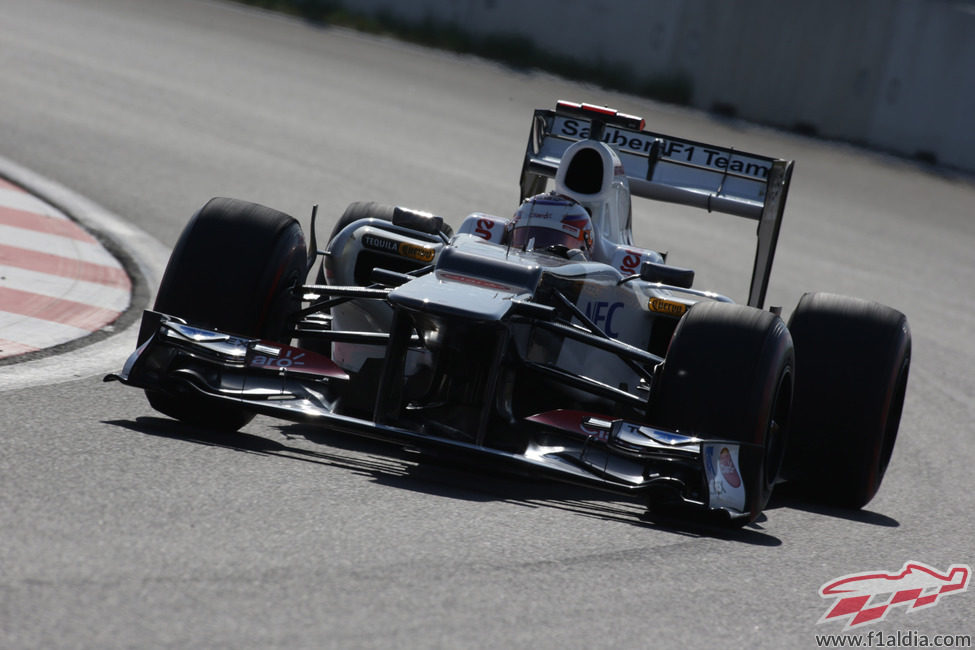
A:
(548, 221)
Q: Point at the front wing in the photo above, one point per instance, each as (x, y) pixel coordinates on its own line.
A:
(296, 384)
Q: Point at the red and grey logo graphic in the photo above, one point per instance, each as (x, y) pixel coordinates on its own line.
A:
(863, 598)
(727, 466)
(284, 358)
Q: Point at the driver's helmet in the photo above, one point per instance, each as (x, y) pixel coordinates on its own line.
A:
(551, 222)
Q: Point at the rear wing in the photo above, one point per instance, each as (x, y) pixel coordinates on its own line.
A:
(666, 168)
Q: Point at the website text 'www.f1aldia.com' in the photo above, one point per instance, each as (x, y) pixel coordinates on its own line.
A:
(898, 639)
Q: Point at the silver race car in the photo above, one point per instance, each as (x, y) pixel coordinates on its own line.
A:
(546, 342)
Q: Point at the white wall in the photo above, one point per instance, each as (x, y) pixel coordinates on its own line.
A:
(894, 74)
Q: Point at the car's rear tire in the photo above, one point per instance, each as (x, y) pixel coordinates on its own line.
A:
(233, 269)
(362, 210)
(355, 212)
(728, 375)
(367, 262)
(852, 357)
(358, 397)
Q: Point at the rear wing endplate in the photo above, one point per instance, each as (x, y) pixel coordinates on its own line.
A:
(666, 168)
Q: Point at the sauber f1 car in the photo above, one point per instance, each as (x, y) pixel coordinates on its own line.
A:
(548, 341)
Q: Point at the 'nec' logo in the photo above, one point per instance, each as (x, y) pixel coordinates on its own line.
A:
(603, 312)
(916, 586)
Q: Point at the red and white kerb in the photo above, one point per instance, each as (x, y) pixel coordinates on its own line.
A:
(57, 283)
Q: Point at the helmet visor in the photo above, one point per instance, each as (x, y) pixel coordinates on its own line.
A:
(544, 238)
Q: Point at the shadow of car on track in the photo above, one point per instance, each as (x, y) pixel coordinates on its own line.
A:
(441, 475)
(786, 497)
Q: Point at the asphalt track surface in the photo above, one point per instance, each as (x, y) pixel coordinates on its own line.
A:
(120, 528)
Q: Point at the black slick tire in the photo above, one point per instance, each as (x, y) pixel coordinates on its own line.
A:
(853, 358)
(362, 210)
(233, 270)
(728, 375)
(371, 210)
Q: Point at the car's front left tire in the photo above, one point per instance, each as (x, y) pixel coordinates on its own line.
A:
(235, 269)
(728, 376)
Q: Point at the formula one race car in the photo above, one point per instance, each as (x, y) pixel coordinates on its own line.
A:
(547, 342)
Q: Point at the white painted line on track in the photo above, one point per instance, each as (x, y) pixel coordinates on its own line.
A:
(42, 242)
(41, 333)
(18, 200)
(57, 286)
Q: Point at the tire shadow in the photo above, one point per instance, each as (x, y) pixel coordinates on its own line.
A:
(785, 496)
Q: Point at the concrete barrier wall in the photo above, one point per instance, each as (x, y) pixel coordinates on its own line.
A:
(893, 74)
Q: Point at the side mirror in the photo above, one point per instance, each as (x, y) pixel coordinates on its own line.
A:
(672, 275)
